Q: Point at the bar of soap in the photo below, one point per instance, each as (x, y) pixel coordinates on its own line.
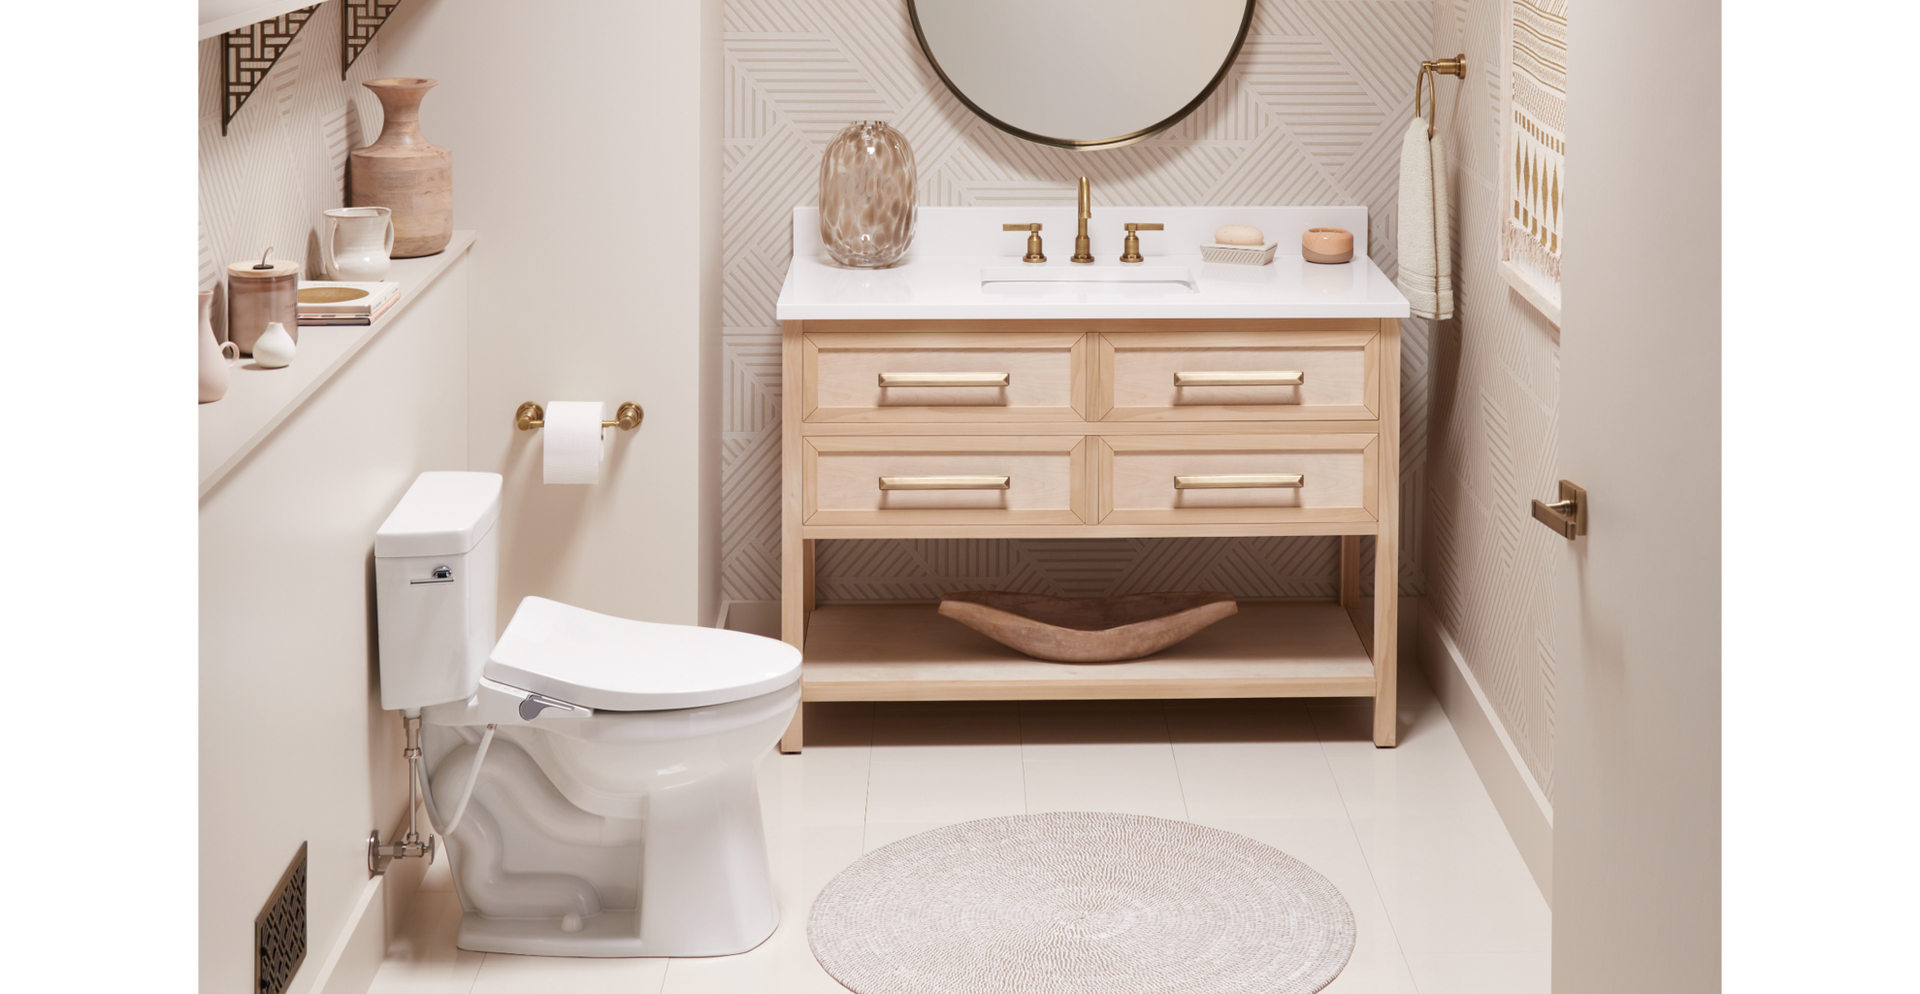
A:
(1238, 234)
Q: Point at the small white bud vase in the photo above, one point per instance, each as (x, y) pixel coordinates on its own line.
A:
(274, 348)
(868, 203)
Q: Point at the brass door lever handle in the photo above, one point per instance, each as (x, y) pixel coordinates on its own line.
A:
(1033, 241)
(1131, 249)
(1568, 515)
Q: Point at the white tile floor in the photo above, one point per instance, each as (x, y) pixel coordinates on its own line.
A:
(1443, 901)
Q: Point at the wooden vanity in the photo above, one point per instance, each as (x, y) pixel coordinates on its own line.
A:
(1093, 428)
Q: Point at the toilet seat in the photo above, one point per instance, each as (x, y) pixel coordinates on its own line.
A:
(618, 664)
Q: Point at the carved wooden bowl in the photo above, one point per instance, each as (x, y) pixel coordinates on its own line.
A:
(1087, 629)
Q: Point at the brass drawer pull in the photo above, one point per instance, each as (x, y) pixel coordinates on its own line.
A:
(1255, 378)
(945, 483)
(1255, 482)
(945, 379)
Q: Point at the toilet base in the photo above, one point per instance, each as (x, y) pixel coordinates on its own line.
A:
(609, 934)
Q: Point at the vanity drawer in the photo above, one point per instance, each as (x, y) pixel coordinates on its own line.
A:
(1329, 375)
(951, 480)
(944, 376)
(1252, 479)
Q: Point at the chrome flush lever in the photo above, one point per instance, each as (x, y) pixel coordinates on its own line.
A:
(441, 574)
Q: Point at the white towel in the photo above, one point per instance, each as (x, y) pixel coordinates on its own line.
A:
(1426, 257)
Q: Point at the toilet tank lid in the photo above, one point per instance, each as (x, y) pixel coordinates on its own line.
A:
(442, 514)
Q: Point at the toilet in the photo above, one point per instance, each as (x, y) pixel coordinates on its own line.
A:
(614, 812)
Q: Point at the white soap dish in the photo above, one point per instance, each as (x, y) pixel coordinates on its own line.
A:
(1239, 255)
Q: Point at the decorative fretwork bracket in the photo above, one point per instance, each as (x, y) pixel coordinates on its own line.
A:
(360, 20)
(250, 54)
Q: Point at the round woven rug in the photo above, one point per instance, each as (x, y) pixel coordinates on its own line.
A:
(1080, 903)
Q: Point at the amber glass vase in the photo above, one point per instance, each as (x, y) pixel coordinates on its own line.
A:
(867, 207)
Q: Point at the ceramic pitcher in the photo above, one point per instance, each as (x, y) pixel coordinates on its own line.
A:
(215, 357)
(358, 244)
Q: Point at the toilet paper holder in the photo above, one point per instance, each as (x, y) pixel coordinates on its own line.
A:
(531, 415)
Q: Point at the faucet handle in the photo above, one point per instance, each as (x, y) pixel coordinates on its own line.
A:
(1131, 249)
(1033, 241)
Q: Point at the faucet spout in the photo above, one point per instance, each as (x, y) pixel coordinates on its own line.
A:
(1082, 246)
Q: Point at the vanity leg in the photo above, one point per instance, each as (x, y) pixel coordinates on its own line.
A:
(1386, 547)
(1350, 575)
(808, 599)
(794, 738)
(1386, 626)
(796, 554)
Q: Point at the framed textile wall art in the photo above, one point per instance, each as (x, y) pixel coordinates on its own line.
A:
(1533, 173)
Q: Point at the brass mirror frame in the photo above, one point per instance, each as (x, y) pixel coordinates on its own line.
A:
(1085, 145)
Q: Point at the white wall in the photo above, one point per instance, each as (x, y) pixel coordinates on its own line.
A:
(293, 745)
(585, 150)
(1493, 447)
(1636, 833)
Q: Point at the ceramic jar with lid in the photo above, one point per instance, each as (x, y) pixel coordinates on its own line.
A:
(257, 297)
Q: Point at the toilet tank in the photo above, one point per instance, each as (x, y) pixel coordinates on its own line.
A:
(436, 571)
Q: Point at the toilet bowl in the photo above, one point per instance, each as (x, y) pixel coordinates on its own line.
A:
(614, 811)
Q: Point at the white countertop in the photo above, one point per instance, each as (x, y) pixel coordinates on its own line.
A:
(940, 278)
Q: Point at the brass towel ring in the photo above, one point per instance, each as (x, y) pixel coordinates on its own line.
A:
(1456, 66)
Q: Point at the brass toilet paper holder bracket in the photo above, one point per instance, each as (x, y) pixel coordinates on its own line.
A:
(531, 415)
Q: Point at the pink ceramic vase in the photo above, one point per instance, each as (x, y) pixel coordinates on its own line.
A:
(215, 359)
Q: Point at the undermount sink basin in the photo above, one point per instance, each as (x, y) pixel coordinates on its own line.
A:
(1107, 281)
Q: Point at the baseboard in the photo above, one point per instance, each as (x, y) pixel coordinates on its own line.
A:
(1523, 806)
(356, 953)
(383, 904)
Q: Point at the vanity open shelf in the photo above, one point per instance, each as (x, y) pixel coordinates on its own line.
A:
(1260, 401)
(907, 652)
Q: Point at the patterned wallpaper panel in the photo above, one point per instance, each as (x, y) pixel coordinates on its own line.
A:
(1312, 113)
(1494, 424)
(283, 159)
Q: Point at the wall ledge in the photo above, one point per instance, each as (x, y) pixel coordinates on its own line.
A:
(1516, 795)
(261, 400)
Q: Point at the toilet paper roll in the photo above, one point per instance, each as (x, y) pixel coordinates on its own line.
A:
(572, 438)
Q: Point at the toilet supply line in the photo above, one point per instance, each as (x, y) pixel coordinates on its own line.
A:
(410, 845)
(473, 778)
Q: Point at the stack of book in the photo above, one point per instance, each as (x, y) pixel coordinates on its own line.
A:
(345, 303)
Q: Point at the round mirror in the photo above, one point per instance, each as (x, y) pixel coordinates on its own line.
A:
(1081, 73)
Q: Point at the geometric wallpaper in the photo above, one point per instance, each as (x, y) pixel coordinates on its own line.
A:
(1311, 113)
(283, 159)
(1494, 422)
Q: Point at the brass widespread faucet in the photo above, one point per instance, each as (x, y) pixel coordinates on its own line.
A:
(1081, 245)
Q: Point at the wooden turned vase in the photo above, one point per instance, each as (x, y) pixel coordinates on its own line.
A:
(403, 172)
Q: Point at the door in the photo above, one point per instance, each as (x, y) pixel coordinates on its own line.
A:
(1636, 844)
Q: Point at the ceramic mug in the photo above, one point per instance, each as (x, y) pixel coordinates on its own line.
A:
(364, 249)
